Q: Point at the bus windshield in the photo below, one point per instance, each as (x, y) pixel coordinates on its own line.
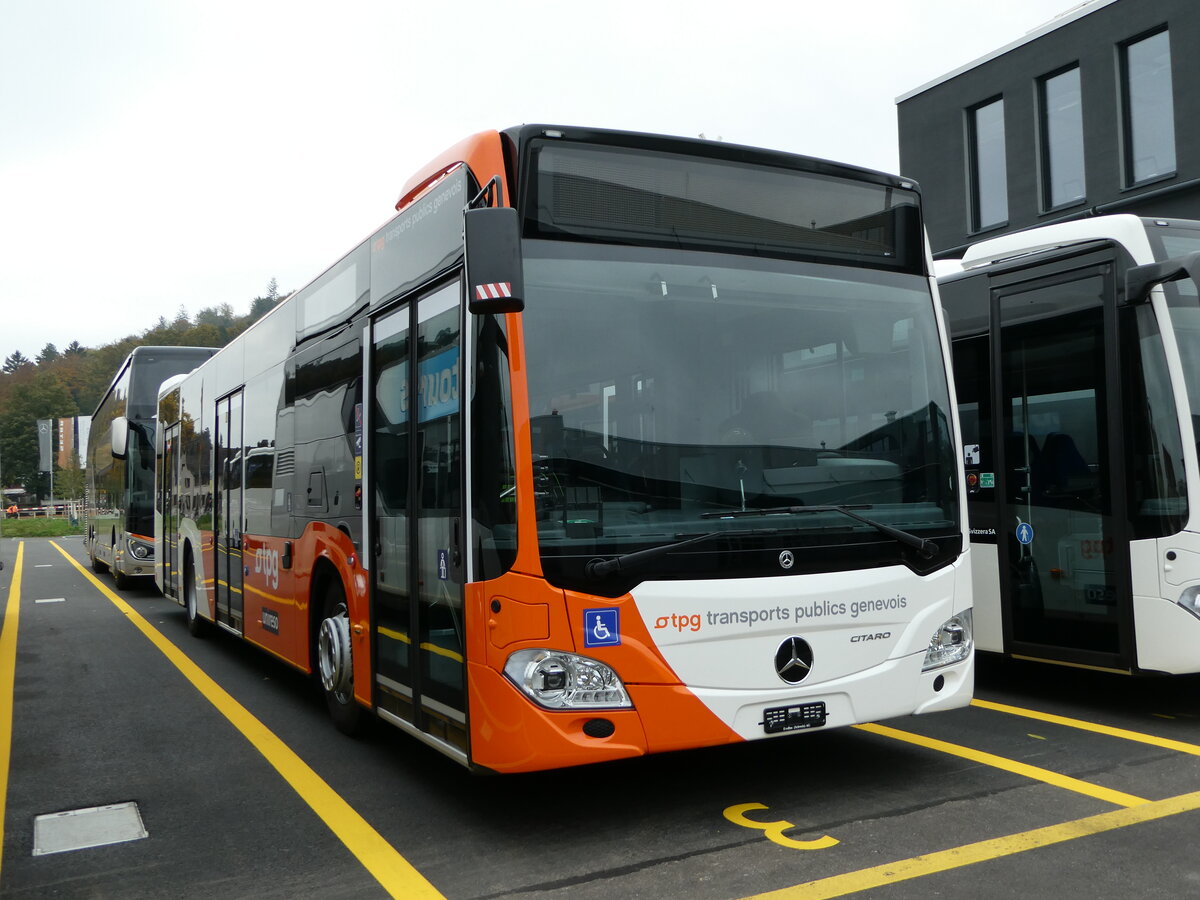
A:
(668, 387)
(1183, 301)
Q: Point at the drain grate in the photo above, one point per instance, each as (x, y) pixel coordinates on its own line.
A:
(79, 829)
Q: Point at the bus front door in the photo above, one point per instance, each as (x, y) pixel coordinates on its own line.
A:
(1064, 581)
(169, 510)
(227, 508)
(415, 477)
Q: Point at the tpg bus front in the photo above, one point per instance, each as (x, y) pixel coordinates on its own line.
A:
(700, 487)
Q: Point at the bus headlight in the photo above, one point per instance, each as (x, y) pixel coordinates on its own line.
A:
(951, 643)
(558, 680)
(1190, 600)
(140, 549)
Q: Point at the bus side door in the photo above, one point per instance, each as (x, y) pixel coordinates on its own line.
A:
(414, 477)
(1065, 585)
(228, 515)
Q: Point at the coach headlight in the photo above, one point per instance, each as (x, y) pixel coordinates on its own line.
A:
(140, 549)
(1190, 600)
(951, 643)
(558, 680)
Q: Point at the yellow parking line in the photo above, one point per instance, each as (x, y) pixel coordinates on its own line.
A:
(8, 678)
(968, 854)
(1009, 765)
(1181, 746)
(393, 871)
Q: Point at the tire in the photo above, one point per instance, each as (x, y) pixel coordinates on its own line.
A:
(99, 567)
(122, 581)
(335, 669)
(197, 625)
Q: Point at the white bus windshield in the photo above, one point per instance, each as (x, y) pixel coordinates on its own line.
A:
(668, 387)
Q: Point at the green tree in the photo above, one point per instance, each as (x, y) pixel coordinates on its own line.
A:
(69, 480)
(43, 398)
(15, 362)
(48, 355)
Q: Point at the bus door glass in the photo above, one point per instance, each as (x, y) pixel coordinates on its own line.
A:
(416, 468)
(227, 578)
(1056, 532)
(169, 498)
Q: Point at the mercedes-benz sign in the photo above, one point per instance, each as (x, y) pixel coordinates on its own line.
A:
(793, 660)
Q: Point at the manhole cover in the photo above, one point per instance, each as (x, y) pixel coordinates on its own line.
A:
(78, 829)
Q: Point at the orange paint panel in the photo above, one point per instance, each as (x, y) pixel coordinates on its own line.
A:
(276, 613)
(512, 620)
(674, 719)
(482, 154)
(528, 631)
(511, 734)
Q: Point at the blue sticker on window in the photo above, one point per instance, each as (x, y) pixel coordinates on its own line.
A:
(1025, 533)
(602, 627)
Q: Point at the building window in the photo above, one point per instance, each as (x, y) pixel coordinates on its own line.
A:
(989, 176)
(1149, 124)
(1062, 139)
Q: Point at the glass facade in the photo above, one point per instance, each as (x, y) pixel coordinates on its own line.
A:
(1062, 139)
(989, 172)
(1149, 111)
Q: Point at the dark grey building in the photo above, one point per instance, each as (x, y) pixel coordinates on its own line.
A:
(1097, 111)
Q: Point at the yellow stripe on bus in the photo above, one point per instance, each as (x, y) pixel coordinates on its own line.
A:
(390, 869)
(8, 678)
(279, 601)
(1124, 734)
(1008, 765)
(969, 854)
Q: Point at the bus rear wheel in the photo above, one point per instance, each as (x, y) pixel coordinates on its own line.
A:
(335, 662)
(197, 625)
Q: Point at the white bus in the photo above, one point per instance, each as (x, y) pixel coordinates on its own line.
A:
(661, 454)
(118, 512)
(1077, 363)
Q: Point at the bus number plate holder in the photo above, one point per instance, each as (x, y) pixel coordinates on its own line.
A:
(794, 718)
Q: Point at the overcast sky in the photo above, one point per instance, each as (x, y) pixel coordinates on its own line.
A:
(164, 153)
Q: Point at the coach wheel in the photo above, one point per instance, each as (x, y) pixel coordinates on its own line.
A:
(191, 602)
(335, 661)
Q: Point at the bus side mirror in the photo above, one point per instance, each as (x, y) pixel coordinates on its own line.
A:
(495, 282)
(120, 437)
(1140, 280)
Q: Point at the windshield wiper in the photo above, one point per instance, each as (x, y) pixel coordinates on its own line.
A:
(924, 547)
(598, 568)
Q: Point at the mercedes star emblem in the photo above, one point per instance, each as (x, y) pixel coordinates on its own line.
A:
(793, 660)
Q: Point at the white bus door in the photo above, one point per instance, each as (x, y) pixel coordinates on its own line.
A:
(169, 505)
(1064, 577)
(227, 512)
(415, 478)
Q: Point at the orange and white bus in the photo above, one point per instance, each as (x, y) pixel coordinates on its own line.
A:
(606, 444)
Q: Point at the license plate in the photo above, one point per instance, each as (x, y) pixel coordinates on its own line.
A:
(794, 718)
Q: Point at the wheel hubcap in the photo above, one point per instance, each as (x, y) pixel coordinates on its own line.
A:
(333, 652)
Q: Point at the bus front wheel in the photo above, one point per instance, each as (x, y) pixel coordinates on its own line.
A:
(335, 661)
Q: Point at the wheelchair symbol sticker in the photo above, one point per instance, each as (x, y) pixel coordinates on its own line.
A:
(602, 627)
(1025, 533)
